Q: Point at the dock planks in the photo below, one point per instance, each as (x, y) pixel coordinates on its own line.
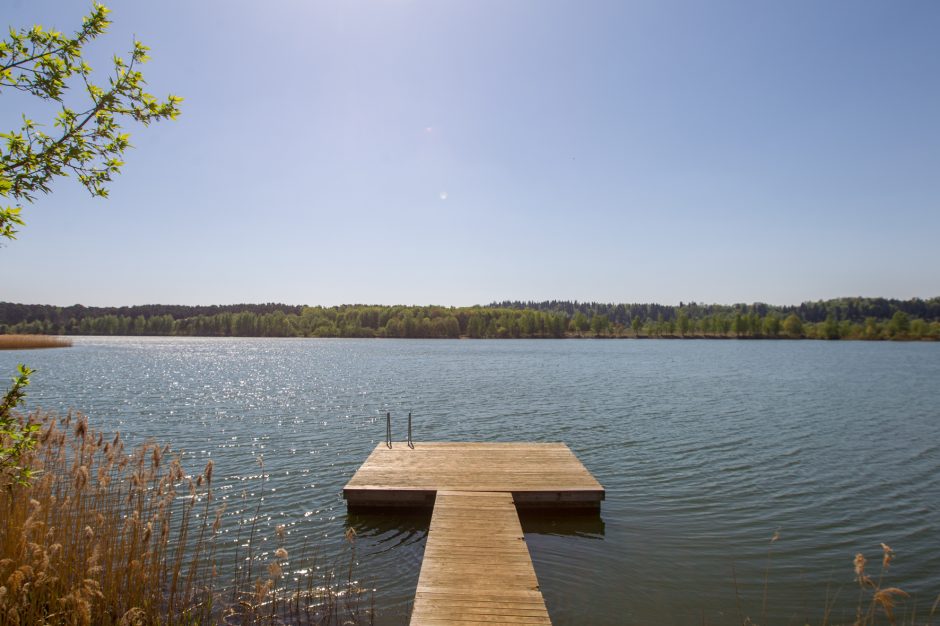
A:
(537, 474)
(476, 566)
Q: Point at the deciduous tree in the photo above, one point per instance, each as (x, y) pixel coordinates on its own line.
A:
(600, 324)
(900, 324)
(87, 142)
(580, 322)
(793, 325)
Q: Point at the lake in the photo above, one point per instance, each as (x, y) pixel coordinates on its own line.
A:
(705, 448)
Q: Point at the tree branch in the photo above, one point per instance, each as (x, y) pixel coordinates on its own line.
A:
(72, 132)
(87, 32)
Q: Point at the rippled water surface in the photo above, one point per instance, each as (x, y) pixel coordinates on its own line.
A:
(706, 448)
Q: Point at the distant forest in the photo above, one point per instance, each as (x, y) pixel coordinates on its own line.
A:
(842, 318)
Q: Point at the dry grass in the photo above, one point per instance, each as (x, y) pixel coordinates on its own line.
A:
(876, 603)
(29, 342)
(103, 536)
(882, 599)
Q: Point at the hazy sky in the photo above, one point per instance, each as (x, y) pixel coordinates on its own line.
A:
(456, 153)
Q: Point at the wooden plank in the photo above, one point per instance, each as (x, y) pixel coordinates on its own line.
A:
(546, 475)
(476, 567)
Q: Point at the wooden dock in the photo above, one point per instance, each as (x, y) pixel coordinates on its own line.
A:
(545, 475)
(476, 566)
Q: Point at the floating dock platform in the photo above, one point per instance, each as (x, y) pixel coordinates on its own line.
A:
(545, 475)
(476, 566)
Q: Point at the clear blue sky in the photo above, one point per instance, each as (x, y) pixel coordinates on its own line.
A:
(454, 153)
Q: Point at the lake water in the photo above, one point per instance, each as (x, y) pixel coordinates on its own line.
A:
(705, 448)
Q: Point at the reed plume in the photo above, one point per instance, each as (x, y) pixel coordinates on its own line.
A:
(108, 536)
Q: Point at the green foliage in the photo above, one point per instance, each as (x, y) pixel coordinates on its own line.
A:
(900, 324)
(580, 322)
(793, 326)
(17, 436)
(771, 325)
(683, 322)
(830, 329)
(88, 142)
(9, 216)
(600, 325)
(477, 322)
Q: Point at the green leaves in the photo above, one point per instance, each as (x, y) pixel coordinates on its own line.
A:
(15, 395)
(16, 436)
(9, 218)
(87, 143)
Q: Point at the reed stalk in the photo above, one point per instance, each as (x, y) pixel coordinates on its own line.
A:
(102, 536)
(877, 603)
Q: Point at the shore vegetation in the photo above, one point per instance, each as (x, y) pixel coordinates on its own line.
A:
(869, 601)
(31, 342)
(872, 319)
(99, 534)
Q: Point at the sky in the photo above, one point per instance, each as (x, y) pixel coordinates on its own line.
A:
(464, 152)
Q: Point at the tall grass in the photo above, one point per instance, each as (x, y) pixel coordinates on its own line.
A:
(875, 599)
(28, 342)
(877, 603)
(107, 536)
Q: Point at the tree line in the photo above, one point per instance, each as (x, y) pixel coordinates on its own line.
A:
(844, 318)
(855, 310)
(12, 313)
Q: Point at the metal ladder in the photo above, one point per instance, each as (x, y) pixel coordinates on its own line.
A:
(388, 430)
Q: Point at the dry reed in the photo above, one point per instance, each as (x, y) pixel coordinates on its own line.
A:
(111, 537)
(876, 603)
(883, 598)
(29, 342)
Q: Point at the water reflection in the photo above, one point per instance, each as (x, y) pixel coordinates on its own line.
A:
(390, 545)
(389, 527)
(564, 522)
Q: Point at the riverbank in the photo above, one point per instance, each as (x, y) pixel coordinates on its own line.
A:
(26, 342)
(32, 342)
(845, 318)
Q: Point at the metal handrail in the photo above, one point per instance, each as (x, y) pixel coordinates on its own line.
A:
(411, 444)
(388, 429)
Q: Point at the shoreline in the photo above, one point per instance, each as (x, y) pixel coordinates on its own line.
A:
(63, 341)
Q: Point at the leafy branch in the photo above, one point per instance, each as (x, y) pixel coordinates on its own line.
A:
(16, 437)
(88, 142)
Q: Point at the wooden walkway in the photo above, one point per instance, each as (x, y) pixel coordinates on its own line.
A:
(476, 567)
